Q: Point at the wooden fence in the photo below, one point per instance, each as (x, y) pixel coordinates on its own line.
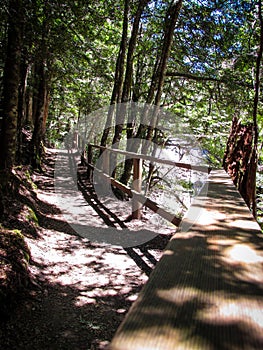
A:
(138, 199)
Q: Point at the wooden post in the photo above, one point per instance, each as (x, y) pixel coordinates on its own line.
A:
(75, 140)
(89, 162)
(106, 170)
(106, 162)
(137, 186)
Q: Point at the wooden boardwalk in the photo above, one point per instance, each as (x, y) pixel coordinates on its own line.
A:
(207, 290)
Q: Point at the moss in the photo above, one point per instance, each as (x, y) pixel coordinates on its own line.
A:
(31, 216)
(29, 179)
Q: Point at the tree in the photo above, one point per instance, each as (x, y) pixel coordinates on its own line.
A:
(157, 82)
(11, 84)
(41, 97)
(119, 73)
(241, 156)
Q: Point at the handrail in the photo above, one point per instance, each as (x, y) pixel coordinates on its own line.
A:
(138, 199)
(201, 168)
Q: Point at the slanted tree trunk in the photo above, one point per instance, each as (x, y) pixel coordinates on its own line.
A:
(158, 78)
(126, 91)
(11, 86)
(121, 111)
(119, 74)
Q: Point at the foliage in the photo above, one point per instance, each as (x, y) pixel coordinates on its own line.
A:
(210, 72)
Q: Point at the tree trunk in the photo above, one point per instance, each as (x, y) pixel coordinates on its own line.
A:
(126, 91)
(119, 73)
(40, 108)
(170, 22)
(241, 156)
(40, 101)
(121, 110)
(156, 88)
(239, 159)
(11, 86)
(21, 110)
(254, 157)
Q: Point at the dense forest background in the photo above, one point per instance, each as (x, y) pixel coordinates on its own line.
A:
(199, 59)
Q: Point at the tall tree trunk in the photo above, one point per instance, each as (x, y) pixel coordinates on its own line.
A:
(158, 79)
(237, 158)
(158, 76)
(11, 86)
(21, 109)
(121, 112)
(156, 88)
(241, 156)
(40, 102)
(254, 156)
(119, 73)
(39, 115)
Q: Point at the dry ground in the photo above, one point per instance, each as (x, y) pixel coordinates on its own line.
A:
(81, 289)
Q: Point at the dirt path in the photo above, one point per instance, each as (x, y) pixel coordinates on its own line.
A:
(84, 289)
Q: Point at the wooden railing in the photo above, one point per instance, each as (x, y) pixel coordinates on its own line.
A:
(138, 199)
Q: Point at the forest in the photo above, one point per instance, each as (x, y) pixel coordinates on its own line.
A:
(199, 60)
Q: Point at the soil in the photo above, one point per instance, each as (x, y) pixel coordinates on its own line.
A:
(80, 290)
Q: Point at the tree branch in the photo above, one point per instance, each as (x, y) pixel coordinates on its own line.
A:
(203, 78)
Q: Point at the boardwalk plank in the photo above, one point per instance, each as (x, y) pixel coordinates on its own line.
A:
(207, 290)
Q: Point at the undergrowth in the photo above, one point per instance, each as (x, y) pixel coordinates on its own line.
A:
(17, 219)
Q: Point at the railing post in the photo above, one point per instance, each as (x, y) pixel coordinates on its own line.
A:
(137, 186)
(106, 162)
(89, 160)
(75, 140)
(106, 170)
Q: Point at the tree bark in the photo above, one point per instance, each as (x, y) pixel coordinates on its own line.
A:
(119, 73)
(21, 109)
(254, 156)
(40, 108)
(157, 82)
(238, 157)
(121, 110)
(170, 22)
(11, 86)
(241, 156)
(126, 91)
(40, 101)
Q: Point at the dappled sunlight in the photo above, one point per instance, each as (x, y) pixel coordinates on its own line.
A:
(96, 272)
(246, 262)
(178, 295)
(209, 217)
(154, 342)
(223, 310)
(168, 252)
(217, 307)
(245, 224)
(207, 290)
(243, 253)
